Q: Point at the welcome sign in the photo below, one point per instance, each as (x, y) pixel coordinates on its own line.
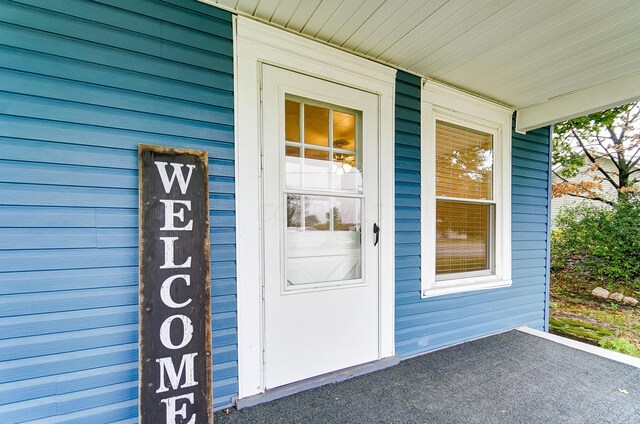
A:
(175, 308)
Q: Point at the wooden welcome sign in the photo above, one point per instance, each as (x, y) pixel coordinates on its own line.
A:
(175, 308)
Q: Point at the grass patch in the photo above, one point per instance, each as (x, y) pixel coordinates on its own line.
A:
(578, 330)
(576, 314)
(620, 344)
(577, 283)
(612, 317)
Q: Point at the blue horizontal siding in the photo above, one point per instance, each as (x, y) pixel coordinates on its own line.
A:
(427, 324)
(83, 83)
(51, 87)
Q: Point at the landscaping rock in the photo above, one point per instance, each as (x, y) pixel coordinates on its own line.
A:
(628, 300)
(600, 292)
(616, 296)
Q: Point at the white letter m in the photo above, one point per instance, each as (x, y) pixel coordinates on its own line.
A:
(186, 366)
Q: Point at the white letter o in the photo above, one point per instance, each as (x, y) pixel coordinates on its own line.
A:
(165, 333)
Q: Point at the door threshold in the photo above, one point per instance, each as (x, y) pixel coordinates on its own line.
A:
(317, 381)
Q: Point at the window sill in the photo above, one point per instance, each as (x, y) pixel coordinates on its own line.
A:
(461, 286)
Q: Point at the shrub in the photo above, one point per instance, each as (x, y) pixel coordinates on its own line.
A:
(620, 344)
(605, 242)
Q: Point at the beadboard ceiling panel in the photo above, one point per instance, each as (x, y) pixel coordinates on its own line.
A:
(522, 53)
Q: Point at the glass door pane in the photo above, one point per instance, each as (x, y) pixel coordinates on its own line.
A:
(322, 193)
(323, 239)
(311, 161)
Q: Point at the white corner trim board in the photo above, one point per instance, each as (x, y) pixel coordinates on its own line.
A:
(605, 353)
(256, 44)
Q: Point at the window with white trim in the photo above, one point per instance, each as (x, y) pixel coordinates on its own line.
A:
(466, 192)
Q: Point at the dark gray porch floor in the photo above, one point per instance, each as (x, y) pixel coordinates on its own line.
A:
(507, 378)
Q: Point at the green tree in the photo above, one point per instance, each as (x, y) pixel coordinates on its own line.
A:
(586, 142)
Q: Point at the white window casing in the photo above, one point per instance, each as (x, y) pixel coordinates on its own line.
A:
(443, 103)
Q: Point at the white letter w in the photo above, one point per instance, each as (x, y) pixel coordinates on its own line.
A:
(177, 174)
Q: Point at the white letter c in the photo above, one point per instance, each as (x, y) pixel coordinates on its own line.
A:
(165, 291)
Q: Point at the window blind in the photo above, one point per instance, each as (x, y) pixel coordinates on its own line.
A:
(462, 237)
(464, 199)
(464, 162)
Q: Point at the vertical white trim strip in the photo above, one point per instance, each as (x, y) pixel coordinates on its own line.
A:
(248, 231)
(547, 274)
(427, 192)
(387, 224)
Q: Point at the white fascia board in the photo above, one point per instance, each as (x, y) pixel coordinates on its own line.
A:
(579, 103)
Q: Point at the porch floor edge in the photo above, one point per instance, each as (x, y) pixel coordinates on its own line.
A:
(313, 382)
(605, 353)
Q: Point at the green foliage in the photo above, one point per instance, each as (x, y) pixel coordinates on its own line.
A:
(592, 123)
(558, 258)
(605, 242)
(585, 144)
(620, 344)
(567, 156)
(579, 330)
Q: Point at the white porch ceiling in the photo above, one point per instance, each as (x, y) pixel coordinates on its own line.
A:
(550, 59)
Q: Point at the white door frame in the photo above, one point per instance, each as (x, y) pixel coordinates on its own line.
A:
(257, 43)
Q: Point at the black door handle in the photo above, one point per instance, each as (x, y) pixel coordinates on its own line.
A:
(376, 231)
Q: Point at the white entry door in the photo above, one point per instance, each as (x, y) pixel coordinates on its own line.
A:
(320, 198)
